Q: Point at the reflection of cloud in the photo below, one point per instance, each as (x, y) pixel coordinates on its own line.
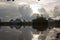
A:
(6, 33)
(35, 36)
(26, 34)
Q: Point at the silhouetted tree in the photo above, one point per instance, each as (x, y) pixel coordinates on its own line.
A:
(11, 26)
(11, 20)
(18, 20)
(40, 23)
(13, 0)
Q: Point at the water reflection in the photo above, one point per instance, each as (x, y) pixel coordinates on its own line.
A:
(35, 36)
(24, 33)
(27, 33)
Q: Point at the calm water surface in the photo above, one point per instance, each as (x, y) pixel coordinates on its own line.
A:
(25, 33)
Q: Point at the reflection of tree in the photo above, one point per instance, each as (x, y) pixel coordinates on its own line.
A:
(57, 23)
(0, 23)
(58, 36)
(40, 23)
(11, 20)
(17, 27)
(10, 0)
(11, 26)
(25, 34)
(15, 23)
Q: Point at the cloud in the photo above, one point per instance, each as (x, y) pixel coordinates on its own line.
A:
(8, 11)
(43, 12)
(57, 11)
(25, 11)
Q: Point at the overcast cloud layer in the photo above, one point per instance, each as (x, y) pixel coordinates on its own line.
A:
(21, 9)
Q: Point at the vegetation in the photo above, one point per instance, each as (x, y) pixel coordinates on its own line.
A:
(40, 23)
(57, 23)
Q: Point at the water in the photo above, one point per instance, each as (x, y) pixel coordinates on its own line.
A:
(24, 33)
(27, 33)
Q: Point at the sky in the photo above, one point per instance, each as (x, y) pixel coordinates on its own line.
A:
(27, 9)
